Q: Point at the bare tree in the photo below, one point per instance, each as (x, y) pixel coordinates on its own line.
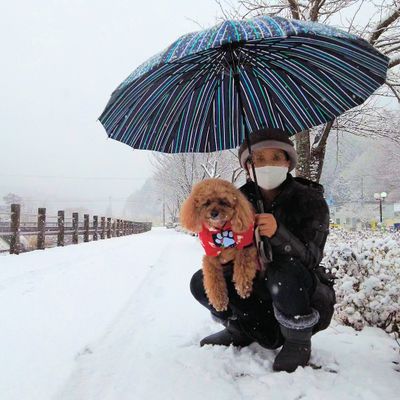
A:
(176, 174)
(382, 30)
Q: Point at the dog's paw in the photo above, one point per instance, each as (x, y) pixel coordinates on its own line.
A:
(244, 291)
(220, 303)
(221, 308)
(243, 283)
(224, 239)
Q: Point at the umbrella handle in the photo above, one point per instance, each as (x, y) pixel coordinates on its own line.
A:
(264, 250)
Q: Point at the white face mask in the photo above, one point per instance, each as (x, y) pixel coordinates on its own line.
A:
(270, 176)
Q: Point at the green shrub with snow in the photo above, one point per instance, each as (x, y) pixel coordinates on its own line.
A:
(367, 267)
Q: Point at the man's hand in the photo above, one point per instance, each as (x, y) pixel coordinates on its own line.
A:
(267, 224)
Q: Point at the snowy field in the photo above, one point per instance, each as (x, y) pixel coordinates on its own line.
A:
(115, 320)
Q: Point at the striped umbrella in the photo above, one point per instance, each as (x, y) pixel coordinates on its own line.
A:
(209, 89)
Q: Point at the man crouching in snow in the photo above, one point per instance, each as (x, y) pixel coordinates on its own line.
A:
(292, 301)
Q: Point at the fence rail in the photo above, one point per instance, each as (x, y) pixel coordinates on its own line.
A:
(108, 227)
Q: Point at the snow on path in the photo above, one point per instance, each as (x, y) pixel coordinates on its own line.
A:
(53, 303)
(115, 320)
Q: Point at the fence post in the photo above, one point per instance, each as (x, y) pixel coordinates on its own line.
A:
(108, 228)
(41, 228)
(86, 227)
(15, 244)
(95, 224)
(103, 228)
(60, 220)
(113, 229)
(123, 228)
(75, 226)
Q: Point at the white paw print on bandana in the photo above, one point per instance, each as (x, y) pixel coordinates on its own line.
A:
(224, 239)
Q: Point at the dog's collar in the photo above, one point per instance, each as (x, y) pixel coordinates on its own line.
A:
(224, 227)
(214, 240)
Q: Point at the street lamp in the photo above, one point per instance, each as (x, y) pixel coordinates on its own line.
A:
(380, 197)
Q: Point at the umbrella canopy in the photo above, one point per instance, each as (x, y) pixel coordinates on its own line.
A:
(205, 90)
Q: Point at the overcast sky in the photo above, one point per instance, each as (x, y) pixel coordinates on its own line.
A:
(61, 59)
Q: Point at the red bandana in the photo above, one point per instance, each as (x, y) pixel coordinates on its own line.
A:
(214, 240)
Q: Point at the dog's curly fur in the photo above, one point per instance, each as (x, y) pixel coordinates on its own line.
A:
(219, 196)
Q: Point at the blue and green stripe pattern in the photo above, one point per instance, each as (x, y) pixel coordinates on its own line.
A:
(293, 75)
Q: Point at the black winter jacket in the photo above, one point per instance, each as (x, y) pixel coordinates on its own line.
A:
(302, 215)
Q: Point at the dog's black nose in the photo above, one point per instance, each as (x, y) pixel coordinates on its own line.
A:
(214, 214)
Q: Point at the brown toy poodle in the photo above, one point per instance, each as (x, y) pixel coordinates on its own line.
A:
(224, 220)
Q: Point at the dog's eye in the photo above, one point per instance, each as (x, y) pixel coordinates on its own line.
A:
(223, 203)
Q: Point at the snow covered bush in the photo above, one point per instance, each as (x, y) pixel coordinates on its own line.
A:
(367, 267)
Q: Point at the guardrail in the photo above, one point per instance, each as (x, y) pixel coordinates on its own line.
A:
(100, 228)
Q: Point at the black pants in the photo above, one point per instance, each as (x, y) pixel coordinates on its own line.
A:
(288, 284)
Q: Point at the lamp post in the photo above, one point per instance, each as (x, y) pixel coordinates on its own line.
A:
(380, 197)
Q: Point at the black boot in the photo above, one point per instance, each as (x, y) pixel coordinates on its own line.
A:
(296, 350)
(231, 335)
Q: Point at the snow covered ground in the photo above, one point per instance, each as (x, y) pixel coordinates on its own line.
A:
(115, 320)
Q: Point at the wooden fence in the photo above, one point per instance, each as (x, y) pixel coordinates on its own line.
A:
(99, 229)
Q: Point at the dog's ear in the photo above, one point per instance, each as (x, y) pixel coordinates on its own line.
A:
(189, 216)
(244, 213)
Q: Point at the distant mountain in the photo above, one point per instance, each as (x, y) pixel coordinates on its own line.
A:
(357, 167)
(145, 204)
